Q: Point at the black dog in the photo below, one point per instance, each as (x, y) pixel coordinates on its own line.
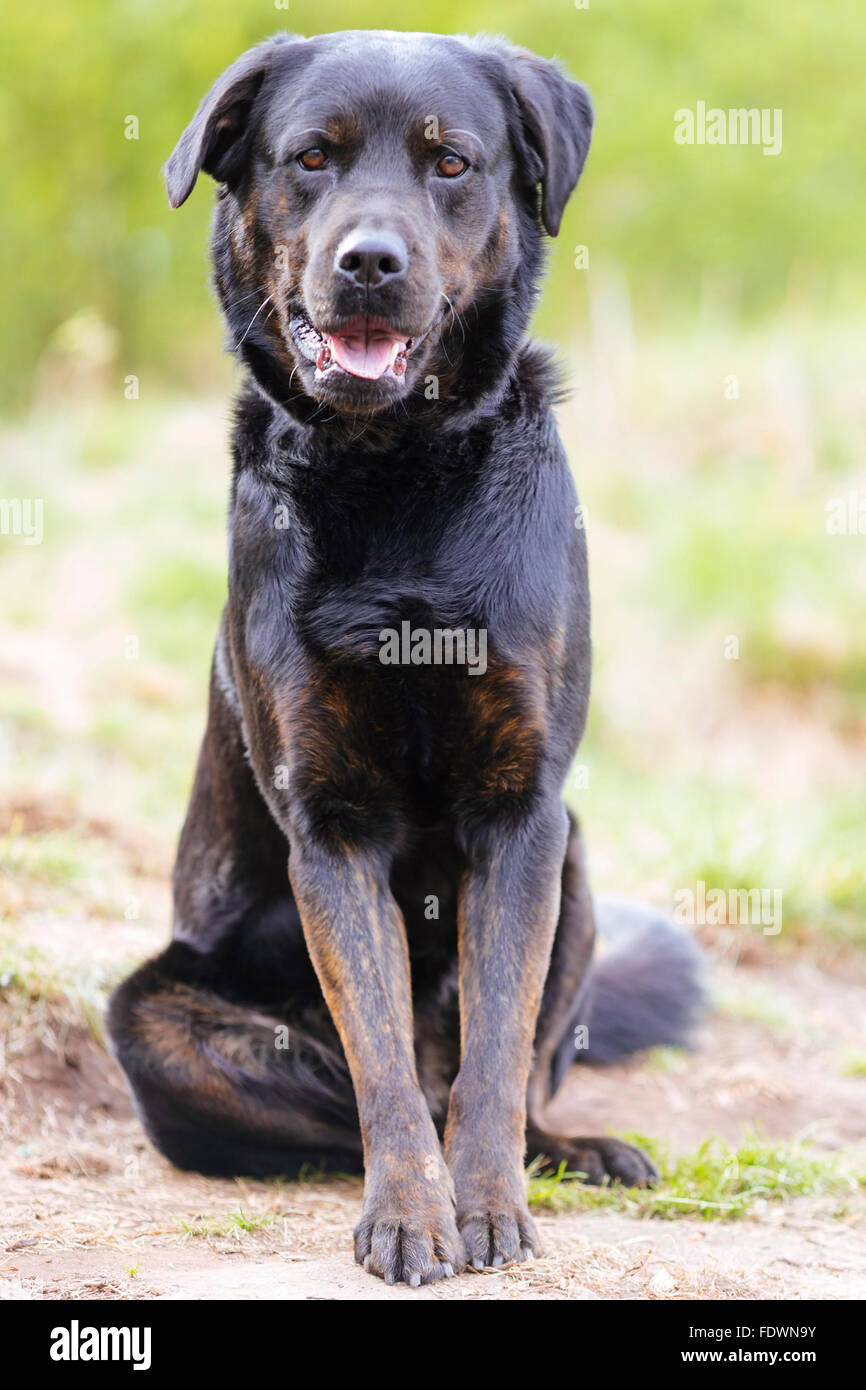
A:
(402, 672)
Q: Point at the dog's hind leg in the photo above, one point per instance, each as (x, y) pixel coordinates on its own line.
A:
(225, 1039)
(645, 992)
(227, 1089)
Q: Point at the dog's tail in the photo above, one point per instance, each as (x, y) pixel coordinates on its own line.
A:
(645, 989)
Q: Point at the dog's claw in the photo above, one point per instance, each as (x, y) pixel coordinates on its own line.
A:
(413, 1249)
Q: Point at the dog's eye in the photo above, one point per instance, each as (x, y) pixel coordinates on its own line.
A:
(312, 159)
(451, 166)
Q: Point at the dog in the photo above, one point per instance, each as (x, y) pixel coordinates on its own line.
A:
(382, 952)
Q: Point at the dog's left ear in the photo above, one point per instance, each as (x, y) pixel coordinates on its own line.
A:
(556, 115)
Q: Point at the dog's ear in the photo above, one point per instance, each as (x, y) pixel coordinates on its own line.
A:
(215, 140)
(556, 116)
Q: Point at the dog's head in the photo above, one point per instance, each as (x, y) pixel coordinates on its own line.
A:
(380, 225)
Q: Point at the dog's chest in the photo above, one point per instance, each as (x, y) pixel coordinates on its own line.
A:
(412, 695)
(399, 686)
(390, 582)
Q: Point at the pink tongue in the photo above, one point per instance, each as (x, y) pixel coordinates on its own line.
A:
(366, 356)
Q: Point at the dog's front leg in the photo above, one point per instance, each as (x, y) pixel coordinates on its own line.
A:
(356, 938)
(508, 910)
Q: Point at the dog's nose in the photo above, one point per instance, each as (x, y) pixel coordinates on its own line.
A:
(368, 257)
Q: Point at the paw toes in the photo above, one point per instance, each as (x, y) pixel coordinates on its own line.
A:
(628, 1165)
(611, 1160)
(495, 1239)
(589, 1164)
(475, 1231)
(505, 1239)
(401, 1251)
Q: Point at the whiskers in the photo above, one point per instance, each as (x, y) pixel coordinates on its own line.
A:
(243, 298)
(458, 319)
(264, 303)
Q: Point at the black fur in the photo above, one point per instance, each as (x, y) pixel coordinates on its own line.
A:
(359, 503)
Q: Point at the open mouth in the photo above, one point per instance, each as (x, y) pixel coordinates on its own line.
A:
(364, 347)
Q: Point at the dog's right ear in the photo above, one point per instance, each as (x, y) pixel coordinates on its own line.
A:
(215, 139)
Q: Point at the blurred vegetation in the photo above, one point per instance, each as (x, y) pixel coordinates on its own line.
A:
(94, 266)
(707, 508)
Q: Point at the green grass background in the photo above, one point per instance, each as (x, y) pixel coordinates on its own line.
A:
(86, 224)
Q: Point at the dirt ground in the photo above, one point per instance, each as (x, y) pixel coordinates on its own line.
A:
(90, 1211)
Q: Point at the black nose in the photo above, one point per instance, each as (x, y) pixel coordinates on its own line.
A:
(368, 257)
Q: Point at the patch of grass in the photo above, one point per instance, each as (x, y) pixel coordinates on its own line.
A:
(58, 871)
(715, 1183)
(311, 1173)
(810, 851)
(230, 1224)
(854, 1064)
(175, 605)
(46, 996)
(751, 1005)
(17, 709)
(23, 969)
(54, 858)
(719, 570)
(666, 1060)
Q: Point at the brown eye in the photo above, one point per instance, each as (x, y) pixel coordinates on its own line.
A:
(451, 166)
(312, 159)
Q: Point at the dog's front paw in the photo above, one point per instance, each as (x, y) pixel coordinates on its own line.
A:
(408, 1233)
(597, 1160)
(496, 1233)
(492, 1213)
